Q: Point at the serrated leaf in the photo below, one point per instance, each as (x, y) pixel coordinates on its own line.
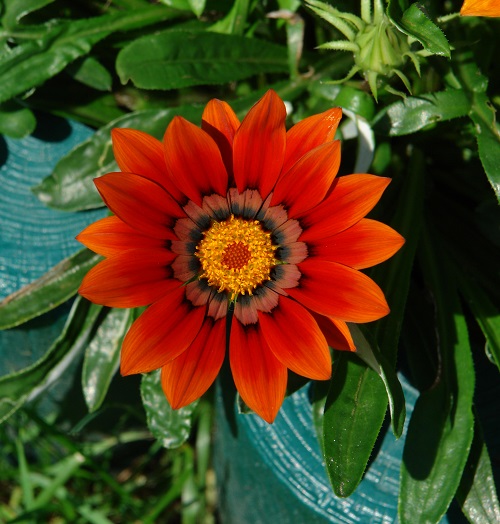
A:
(442, 424)
(70, 187)
(175, 59)
(102, 356)
(16, 120)
(354, 411)
(414, 23)
(415, 113)
(26, 384)
(59, 42)
(477, 494)
(53, 288)
(171, 427)
(488, 139)
(482, 114)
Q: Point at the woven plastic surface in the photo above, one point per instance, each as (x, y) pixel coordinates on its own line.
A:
(271, 474)
(33, 238)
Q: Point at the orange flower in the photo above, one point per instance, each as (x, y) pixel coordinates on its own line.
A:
(480, 8)
(241, 228)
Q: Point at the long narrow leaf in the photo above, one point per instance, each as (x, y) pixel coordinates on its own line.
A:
(354, 411)
(477, 494)
(442, 425)
(28, 383)
(53, 288)
(102, 356)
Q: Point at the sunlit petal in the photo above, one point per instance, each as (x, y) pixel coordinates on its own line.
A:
(306, 351)
(352, 197)
(111, 236)
(164, 331)
(130, 279)
(185, 144)
(309, 134)
(188, 376)
(140, 203)
(339, 291)
(365, 244)
(259, 376)
(259, 145)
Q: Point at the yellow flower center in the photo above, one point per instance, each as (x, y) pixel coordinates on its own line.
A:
(236, 256)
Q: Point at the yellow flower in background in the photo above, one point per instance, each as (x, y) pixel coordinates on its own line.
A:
(480, 8)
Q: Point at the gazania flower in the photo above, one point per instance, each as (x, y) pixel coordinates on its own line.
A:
(480, 8)
(237, 236)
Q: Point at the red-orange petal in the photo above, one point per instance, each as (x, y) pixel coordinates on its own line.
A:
(110, 236)
(365, 244)
(352, 197)
(259, 145)
(259, 376)
(221, 123)
(131, 279)
(339, 291)
(187, 377)
(296, 340)
(193, 161)
(307, 182)
(140, 153)
(336, 332)
(164, 331)
(140, 203)
(480, 8)
(309, 134)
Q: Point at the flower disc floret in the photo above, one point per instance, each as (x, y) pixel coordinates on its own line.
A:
(236, 256)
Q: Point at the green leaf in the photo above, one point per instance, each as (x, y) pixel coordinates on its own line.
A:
(477, 494)
(414, 23)
(482, 114)
(485, 312)
(488, 139)
(356, 100)
(197, 6)
(415, 113)
(394, 275)
(70, 187)
(171, 427)
(176, 4)
(367, 350)
(58, 43)
(16, 120)
(92, 73)
(354, 411)
(102, 356)
(442, 424)
(175, 59)
(295, 38)
(17, 9)
(234, 22)
(26, 384)
(53, 288)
